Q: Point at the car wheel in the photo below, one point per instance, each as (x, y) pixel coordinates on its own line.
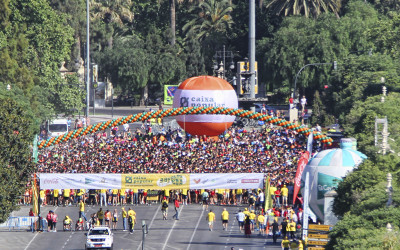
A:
(112, 246)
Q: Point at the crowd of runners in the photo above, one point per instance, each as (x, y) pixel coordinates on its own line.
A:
(269, 150)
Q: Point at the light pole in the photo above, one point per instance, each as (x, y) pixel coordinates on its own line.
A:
(8, 87)
(293, 113)
(87, 59)
(334, 64)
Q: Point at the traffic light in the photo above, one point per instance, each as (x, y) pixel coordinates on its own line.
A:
(335, 65)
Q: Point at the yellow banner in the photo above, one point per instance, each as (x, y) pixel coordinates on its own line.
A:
(155, 181)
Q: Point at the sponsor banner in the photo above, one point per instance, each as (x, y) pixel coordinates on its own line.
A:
(155, 181)
(78, 181)
(169, 93)
(151, 181)
(267, 197)
(227, 181)
(300, 168)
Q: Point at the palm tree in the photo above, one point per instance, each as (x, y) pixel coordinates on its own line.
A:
(115, 12)
(305, 7)
(211, 17)
(172, 7)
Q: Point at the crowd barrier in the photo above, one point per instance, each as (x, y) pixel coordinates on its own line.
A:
(19, 223)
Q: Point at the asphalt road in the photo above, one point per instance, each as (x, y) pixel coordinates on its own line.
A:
(189, 232)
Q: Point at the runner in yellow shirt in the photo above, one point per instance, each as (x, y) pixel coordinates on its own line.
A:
(284, 193)
(225, 219)
(210, 218)
(246, 212)
(55, 197)
(42, 197)
(239, 195)
(82, 210)
(184, 196)
(114, 197)
(252, 217)
(66, 195)
(261, 226)
(124, 219)
(122, 196)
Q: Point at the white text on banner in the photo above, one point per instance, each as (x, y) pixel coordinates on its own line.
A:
(78, 181)
(227, 181)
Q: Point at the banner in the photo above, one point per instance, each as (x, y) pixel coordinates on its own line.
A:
(152, 181)
(227, 181)
(169, 93)
(305, 206)
(300, 168)
(155, 181)
(35, 197)
(80, 181)
(267, 197)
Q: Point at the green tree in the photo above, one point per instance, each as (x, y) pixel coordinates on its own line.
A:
(360, 121)
(114, 14)
(312, 8)
(15, 158)
(300, 41)
(75, 11)
(211, 18)
(319, 114)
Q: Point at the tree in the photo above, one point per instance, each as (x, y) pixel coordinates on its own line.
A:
(114, 14)
(300, 41)
(312, 8)
(319, 114)
(127, 64)
(75, 11)
(211, 18)
(15, 158)
(360, 121)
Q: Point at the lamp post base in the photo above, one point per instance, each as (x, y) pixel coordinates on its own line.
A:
(293, 114)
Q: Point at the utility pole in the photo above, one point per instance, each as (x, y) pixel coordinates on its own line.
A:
(252, 47)
(87, 59)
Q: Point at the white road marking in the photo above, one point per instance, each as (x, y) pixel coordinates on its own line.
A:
(170, 232)
(30, 242)
(195, 229)
(151, 223)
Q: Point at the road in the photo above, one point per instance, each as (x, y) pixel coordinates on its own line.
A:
(189, 232)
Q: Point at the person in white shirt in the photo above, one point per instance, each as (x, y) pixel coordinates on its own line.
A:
(240, 218)
(303, 103)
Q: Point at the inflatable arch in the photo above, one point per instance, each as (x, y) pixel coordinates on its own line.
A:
(184, 111)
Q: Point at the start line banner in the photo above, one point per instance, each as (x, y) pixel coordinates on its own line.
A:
(152, 181)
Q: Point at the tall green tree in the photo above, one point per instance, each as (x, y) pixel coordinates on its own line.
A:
(211, 18)
(75, 11)
(312, 8)
(300, 41)
(15, 157)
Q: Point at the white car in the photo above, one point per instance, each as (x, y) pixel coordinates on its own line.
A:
(99, 237)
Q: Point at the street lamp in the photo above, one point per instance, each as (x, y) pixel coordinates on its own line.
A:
(293, 113)
(334, 64)
(223, 55)
(8, 87)
(87, 59)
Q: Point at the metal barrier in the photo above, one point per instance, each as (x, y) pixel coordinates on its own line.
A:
(18, 223)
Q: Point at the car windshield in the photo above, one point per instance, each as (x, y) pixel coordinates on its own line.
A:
(58, 127)
(99, 232)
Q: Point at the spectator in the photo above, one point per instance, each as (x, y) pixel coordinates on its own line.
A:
(303, 102)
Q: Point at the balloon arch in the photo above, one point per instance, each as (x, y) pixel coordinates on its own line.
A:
(184, 111)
